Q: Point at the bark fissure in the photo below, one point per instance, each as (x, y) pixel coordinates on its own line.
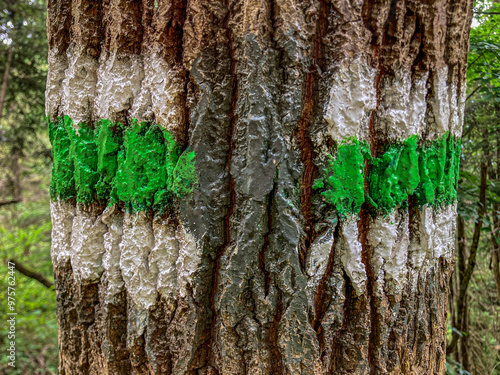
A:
(321, 304)
(303, 137)
(277, 359)
(265, 245)
(364, 225)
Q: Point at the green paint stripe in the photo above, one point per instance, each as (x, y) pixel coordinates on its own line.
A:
(427, 169)
(140, 165)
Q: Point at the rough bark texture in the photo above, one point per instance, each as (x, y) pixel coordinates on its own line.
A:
(254, 273)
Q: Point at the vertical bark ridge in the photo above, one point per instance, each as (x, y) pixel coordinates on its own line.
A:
(207, 57)
(59, 19)
(322, 299)
(303, 136)
(76, 306)
(163, 50)
(116, 357)
(231, 187)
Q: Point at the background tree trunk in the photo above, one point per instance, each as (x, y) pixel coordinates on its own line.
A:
(255, 272)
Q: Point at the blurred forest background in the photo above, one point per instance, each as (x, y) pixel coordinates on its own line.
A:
(25, 169)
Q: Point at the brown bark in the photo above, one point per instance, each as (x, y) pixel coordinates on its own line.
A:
(271, 280)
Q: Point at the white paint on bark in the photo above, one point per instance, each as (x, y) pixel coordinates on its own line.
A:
(402, 105)
(388, 238)
(87, 242)
(462, 97)
(62, 214)
(79, 86)
(351, 254)
(57, 64)
(189, 259)
(421, 246)
(317, 261)
(164, 255)
(161, 93)
(318, 255)
(440, 103)
(444, 232)
(437, 236)
(351, 99)
(113, 218)
(119, 82)
(137, 242)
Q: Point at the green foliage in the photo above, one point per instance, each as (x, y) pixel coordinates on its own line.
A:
(484, 63)
(25, 236)
(481, 143)
(23, 27)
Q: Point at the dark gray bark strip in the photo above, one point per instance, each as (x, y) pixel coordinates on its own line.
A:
(231, 186)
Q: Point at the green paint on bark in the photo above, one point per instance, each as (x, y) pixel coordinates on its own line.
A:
(140, 165)
(342, 184)
(394, 175)
(83, 152)
(439, 167)
(63, 180)
(109, 142)
(429, 170)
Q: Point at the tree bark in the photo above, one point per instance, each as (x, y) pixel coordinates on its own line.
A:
(262, 268)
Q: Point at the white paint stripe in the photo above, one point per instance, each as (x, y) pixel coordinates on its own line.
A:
(351, 101)
(160, 94)
(62, 214)
(351, 254)
(164, 254)
(113, 218)
(57, 65)
(79, 86)
(119, 82)
(388, 238)
(87, 242)
(402, 105)
(189, 259)
(139, 276)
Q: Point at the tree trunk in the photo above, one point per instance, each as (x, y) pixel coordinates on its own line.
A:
(257, 187)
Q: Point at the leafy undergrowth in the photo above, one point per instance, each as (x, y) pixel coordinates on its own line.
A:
(25, 236)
